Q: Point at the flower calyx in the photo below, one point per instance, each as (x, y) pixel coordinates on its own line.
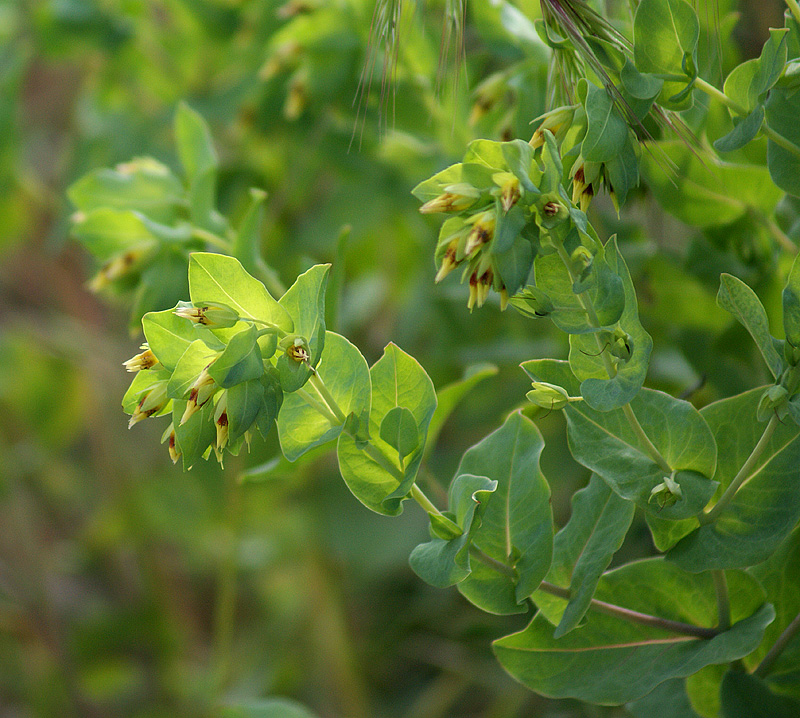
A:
(296, 348)
(143, 361)
(667, 493)
(774, 400)
(210, 314)
(548, 396)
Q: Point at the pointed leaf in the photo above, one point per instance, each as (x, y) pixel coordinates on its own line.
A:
(443, 563)
(517, 527)
(399, 430)
(607, 132)
(217, 278)
(766, 507)
(193, 139)
(375, 479)
(245, 401)
(588, 664)
(583, 549)
(168, 336)
(737, 298)
(240, 360)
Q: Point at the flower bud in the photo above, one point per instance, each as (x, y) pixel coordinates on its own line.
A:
(620, 343)
(456, 198)
(552, 210)
(221, 421)
(507, 189)
(667, 493)
(203, 388)
(556, 121)
(209, 314)
(152, 401)
(548, 396)
(170, 438)
(448, 261)
(483, 225)
(773, 400)
(532, 302)
(141, 362)
(487, 95)
(119, 266)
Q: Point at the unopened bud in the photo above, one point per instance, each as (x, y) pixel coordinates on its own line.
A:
(667, 493)
(483, 225)
(548, 396)
(621, 345)
(455, 198)
(209, 314)
(153, 400)
(141, 362)
(774, 400)
(557, 121)
(532, 302)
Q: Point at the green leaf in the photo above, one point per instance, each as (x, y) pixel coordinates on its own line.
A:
(518, 156)
(744, 131)
(582, 550)
(703, 191)
(267, 708)
(517, 526)
(782, 110)
(247, 245)
(346, 375)
(766, 507)
(379, 483)
(606, 291)
(747, 696)
(747, 83)
(304, 302)
(448, 397)
(108, 232)
(791, 305)
(245, 401)
(665, 34)
(605, 443)
(240, 361)
(780, 577)
(607, 132)
(600, 392)
(196, 358)
(612, 661)
(144, 185)
(203, 200)
(168, 336)
(737, 298)
(399, 430)
(443, 563)
(195, 147)
(217, 278)
(273, 399)
(194, 436)
(641, 86)
(472, 173)
(667, 699)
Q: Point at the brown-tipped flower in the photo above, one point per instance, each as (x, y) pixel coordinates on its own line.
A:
(483, 225)
(296, 348)
(209, 314)
(503, 299)
(172, 447)
(200, 392)
(221, 421)
(117, 267)
(582, 191)
(507, 189)
(557, 121)
(297, 98)
(455, 198)
(473, 291)
(449, 262)
(141, 362)
(152, 401)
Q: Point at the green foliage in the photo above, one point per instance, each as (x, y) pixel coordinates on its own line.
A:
(659, 391)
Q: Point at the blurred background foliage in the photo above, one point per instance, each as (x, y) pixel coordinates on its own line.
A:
(128, 588)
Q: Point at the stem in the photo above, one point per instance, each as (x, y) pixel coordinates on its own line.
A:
(723, 599)
(419, 496)
(720, 96)
(643, 619)
(777, 648)
(744, 473)
(779, 235)
(795, 8)
(712, 91)
(588, 306)
(327, 397)
(213, 239)
(631, 616)
(318, 406)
